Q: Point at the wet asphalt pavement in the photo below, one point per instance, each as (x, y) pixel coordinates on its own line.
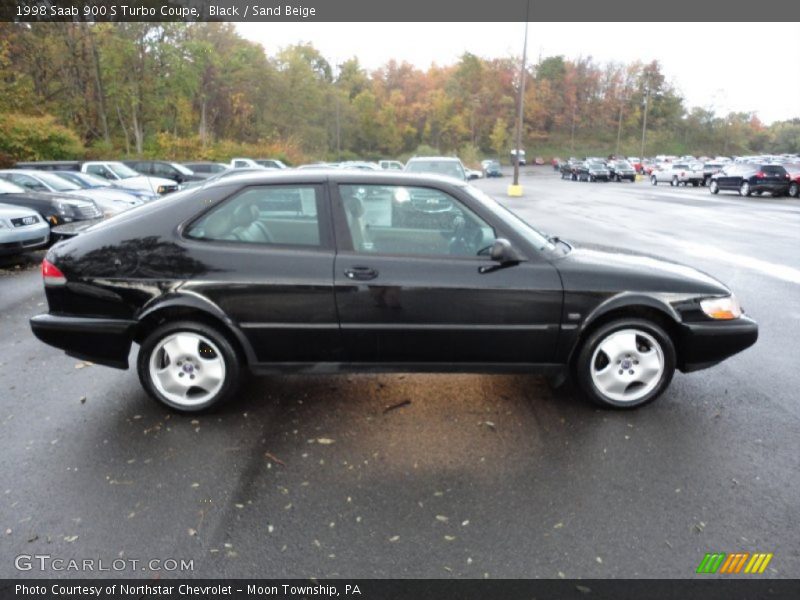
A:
(468, 476)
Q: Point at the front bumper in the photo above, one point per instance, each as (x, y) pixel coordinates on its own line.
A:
(703, 345)
(14, 241)
(102, 341)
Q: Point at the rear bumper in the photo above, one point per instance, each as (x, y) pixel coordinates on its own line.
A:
(703, 345)
(102, 341)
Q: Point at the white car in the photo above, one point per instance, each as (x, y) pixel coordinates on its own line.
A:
(255, 163)
(127, 178)
(679, 173)
(21, 229)
(391, 165)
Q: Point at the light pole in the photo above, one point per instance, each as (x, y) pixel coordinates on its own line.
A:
(515, 189)
(644, 122)
(619, 125)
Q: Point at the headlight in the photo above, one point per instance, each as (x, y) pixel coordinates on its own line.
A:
(722, 308)
(161, 189)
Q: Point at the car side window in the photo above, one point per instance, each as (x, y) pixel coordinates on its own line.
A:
(268, 215)
(393, 219)
(99, 170)
(162, 170)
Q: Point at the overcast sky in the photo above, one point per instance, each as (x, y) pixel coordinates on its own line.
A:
(722, 66)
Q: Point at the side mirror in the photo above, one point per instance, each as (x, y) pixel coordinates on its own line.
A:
(472, 175)
(503, 252)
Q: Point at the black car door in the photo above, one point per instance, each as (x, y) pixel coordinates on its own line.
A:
(269, 254)
(730, 177)
(412, 285)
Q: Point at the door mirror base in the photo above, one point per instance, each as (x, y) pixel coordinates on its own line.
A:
(503, 253)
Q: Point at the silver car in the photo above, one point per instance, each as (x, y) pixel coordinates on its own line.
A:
(21, 229)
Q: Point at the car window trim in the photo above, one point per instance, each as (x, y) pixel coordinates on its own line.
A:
(342, 229)
(326, 241)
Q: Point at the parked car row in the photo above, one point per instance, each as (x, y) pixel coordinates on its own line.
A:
(597, 169)
(774, 175)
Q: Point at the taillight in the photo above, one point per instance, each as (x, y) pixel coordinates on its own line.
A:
(51, 274)
(682, 174)
(760, 175)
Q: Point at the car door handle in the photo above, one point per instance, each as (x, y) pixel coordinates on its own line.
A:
(360, 273)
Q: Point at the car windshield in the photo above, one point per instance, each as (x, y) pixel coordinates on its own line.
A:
(441, 167)
(596, 165)
(59, 184)
(621, 164)
(510, 219)
(6, 187)
(122, 171)
(181, 169)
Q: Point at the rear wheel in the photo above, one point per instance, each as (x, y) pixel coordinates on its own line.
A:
(744, 189)
(188, 366)
(653, 180)
(713, 187)
(675, 182)
(626, 363)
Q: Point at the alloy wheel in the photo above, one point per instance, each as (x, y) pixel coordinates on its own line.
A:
(187, 368)
(627, 365)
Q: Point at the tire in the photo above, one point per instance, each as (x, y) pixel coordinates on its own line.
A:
(675, 182)
(794, 189)
(695, 183)
(653, 180)
(744, 189)
(713, 187)
(182, 351)
(592, 178)
(631, 341)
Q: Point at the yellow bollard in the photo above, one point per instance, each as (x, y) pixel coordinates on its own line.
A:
(515, 191)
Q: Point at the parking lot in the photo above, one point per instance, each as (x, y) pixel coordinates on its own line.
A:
(430, 475)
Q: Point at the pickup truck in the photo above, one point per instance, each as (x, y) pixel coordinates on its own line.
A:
(679, 173)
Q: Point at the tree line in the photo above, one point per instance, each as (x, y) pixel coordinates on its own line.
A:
(181, 91)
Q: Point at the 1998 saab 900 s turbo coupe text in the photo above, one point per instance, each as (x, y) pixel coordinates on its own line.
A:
(330, 271)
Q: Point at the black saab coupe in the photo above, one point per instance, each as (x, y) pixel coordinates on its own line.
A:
(332, 271)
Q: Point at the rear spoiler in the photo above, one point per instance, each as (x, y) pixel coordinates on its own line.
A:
(70, 230)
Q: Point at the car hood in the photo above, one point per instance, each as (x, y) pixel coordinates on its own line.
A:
(44, 197)
(108, 195)
(607, 269)
(9, 211)
(145, 182)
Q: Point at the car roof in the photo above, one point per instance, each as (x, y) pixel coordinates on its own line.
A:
(429, 158)
(335, 175)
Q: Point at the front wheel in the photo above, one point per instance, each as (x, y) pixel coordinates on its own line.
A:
(188, 366)
(626, 363)
(653, 180)
(713, 187)
(794, 189)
